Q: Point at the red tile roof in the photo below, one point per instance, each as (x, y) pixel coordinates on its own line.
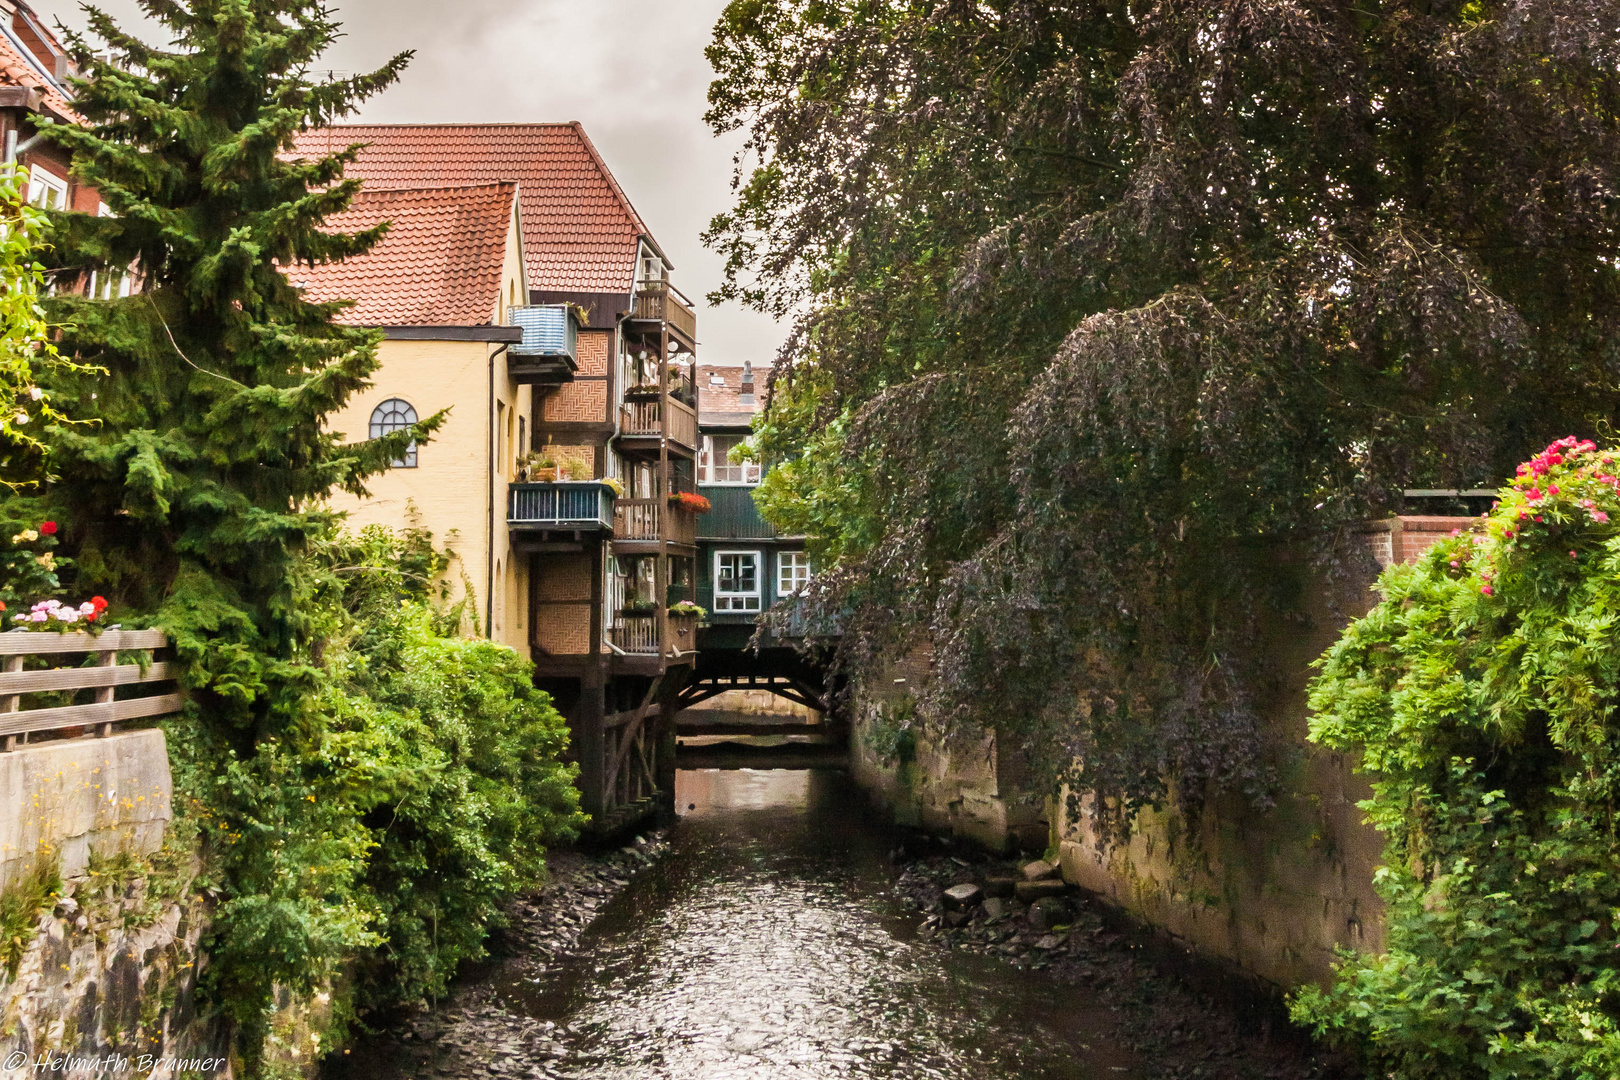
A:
(440, 263)
(17, 69)
(580, 231)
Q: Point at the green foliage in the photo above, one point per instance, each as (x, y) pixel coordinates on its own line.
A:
(1480, 695)
(196, 498)
(461, 759)
(21, 905)
(891, 735)
(26, 351)
(1095, 300)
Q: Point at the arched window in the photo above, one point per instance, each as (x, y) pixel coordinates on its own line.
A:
(391, 416)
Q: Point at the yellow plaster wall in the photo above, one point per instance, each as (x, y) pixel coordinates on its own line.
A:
(452, 492)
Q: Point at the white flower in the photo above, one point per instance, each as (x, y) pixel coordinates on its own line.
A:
(36, 393)
(20, 418)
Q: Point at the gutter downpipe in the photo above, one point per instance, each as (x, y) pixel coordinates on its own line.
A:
(489, 554)
(14, 149)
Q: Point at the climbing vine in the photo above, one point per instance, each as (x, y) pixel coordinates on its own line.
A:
(1481, 696)
(1097, 304)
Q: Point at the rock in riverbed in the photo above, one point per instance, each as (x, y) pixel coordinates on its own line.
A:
(962, 897)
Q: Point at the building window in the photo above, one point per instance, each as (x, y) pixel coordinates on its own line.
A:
(714, 466)
(736, 581)
(46, 190)
(391, 416)
(792, 572)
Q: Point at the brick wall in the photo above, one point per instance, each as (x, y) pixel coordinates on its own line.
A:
(562, 578)
(563, 630)
(593, 351)
(578, 403)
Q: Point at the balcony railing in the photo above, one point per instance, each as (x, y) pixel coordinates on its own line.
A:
(644, 419)
(682, 633)
(565, 505)
(638, 634)
(650, 520)
(662, 302)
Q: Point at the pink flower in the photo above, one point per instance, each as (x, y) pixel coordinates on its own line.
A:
(1573, 555)
(38, 616)
(1507, 534)
(1552, 489)
(1487, 590)
(1598, 515)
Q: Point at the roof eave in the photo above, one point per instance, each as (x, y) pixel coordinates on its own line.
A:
(508, 335)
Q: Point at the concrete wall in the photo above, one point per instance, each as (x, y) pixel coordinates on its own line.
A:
(1274, 891)
(59, 800)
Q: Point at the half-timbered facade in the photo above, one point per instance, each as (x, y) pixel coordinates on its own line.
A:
(599, 496)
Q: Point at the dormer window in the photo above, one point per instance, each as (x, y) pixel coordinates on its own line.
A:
(714, 464)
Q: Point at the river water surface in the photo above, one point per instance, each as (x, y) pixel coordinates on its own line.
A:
(770, 945)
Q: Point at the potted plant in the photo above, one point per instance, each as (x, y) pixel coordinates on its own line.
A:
(686, 607)
(544, 470)
(641, 391)
(638, 609)
(578, 469)
(614, 484)
(687, 500)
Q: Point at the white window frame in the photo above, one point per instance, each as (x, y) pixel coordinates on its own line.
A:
(43, 183)
(787, 584)
(708, 463)
(736, 602)
(382, 423)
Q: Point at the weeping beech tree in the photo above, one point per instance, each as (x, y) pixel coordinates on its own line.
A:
(1096, 302)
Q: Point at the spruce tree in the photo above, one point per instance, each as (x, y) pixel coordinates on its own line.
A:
(194, 500)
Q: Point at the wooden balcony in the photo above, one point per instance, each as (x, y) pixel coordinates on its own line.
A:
(649, 521)
(660, 302)
(566, 506)
(638, 635)
(643, 420)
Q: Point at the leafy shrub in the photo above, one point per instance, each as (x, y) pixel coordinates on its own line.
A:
(1481, 695)
(460, 756)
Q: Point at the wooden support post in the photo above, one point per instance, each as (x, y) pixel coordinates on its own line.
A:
(590, 743)
(12, 702)
(104, 695)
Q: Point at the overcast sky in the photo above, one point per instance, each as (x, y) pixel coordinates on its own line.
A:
(631, 70)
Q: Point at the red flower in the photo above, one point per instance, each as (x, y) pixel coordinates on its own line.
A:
(48, 528)
(99, 604)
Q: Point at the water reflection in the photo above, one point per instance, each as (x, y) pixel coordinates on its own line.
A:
(769, 946)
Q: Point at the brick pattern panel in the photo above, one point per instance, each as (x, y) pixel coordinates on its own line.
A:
(593, 351)
(578, 403)
(570, 454)
(563, 630)
(562, 578)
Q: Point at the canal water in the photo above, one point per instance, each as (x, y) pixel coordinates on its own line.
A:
(770, 944)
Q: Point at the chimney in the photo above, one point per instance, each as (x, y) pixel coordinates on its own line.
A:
(747, 388)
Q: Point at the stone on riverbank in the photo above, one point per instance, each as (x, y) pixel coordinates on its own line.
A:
(1000, 886)
(1047, 912)
(1030, 891)
(962, 897)
(1039, 870)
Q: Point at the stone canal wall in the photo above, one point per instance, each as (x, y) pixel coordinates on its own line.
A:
(1275, 892)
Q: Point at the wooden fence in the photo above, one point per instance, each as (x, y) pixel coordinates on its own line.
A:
(103, 677)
